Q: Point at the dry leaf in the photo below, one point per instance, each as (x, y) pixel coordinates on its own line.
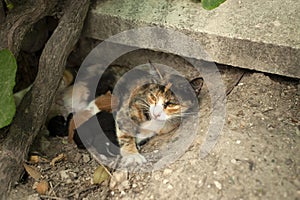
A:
(117, 178)
(37, 159)
(101, 174)
(34, 159)
(42, 187)
(68, 78)
(57, 159)
(32, 171)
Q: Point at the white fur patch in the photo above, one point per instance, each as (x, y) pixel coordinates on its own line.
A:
(131, 159)
(93, 107)
(153, 125)
(75, 97)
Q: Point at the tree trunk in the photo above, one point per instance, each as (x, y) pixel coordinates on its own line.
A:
(2, 13)
(20, 20)
(32, 112)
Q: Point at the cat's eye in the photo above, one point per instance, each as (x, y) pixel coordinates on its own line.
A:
(169, 104)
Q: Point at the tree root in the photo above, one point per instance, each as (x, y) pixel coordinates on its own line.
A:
(33, 110)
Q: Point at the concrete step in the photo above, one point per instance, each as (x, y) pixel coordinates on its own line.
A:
(259, 35)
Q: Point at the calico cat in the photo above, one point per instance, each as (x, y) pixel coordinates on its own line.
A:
(151, 105)
(152, 100)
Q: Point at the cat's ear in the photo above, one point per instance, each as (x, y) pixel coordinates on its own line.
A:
(197, 84)
(154, 71)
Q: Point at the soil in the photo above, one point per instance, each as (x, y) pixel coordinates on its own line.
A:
(256, 155)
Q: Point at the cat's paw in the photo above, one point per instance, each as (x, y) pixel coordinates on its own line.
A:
(133, 159)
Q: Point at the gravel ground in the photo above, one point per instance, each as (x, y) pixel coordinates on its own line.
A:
(256, 155)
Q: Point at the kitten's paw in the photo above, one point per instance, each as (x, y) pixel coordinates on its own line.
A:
(132, 159)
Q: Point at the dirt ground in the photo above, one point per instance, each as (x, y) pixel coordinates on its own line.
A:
(257, 155)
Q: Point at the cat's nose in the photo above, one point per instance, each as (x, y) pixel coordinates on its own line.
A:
(156, 115)
(157, 111)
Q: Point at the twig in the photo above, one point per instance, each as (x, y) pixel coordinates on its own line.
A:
(51, 197)
(53, 188)
(82, 190)
(229, 90)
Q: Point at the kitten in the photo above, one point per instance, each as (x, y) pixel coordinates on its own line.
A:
(77, 98)
(149, 106)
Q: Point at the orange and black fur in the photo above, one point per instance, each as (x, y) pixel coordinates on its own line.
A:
(149, 106)
(151, 101)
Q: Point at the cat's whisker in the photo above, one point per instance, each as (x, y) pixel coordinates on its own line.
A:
(172, 121)
(144, 101)
(196, 112)
(189, 114)
(145, 107)
(184, 114)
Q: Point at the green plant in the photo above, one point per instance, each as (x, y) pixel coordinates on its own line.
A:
(9, 4)
(8, 68)
(210, 4)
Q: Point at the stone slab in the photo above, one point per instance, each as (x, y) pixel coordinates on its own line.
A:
(257, 35)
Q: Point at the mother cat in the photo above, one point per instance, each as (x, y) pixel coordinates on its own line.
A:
(153, 101)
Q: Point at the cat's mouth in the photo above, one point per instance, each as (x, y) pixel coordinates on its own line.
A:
(157, 113)
(159, 118)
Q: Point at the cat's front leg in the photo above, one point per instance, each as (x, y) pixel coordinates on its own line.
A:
(128, 148)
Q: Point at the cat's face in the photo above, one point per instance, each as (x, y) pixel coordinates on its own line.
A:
(163, 104)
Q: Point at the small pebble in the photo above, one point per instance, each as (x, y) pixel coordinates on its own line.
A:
(64, 174)
(170, 187)
(86, 158)
(167, 172)
(165, 181)
(118, 177)
(77, 181)
(193, 162)
(218, 185)
(33, 197)
(76, 170)
(200, 183)
(125, 184)
(77, 157)
(238, 141)
(137, 177)
(156, 176)
(144, 183)
(288, 161)
(68, 181)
